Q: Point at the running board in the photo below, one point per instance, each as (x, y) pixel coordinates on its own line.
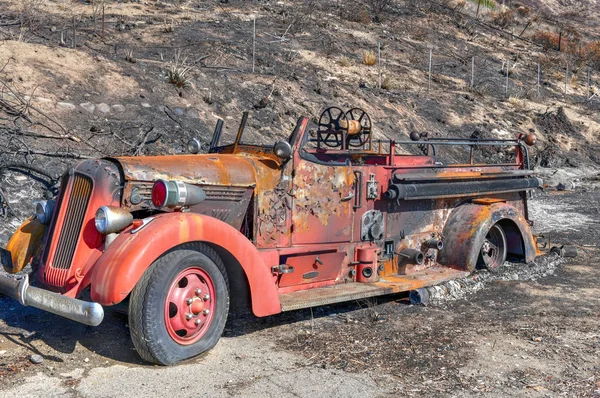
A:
(355, 291)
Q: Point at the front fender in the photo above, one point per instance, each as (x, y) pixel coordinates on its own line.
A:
(468, 225)
(122, 264)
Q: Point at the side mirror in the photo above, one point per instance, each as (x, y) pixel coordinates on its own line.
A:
(282, 149)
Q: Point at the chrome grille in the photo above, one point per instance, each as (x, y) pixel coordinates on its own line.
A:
(76, 208)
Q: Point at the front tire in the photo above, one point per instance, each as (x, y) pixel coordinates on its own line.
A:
(493, 250)
(179, 307)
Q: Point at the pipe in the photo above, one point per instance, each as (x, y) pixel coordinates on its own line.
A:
(434, 244)
(457, 189)
(414, 256)
(85, 312)
(419, 296)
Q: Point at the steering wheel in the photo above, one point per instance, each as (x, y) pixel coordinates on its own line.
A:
(332, 124)
(361, 136)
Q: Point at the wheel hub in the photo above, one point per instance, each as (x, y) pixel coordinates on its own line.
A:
(189, 305)
(197, 306)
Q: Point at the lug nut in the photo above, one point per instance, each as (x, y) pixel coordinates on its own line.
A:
(198, 291)
(189, 316)
(197, 322)
(189, 301)
(206, 311)
(206, 297)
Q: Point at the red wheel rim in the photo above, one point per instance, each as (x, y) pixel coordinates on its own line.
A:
(190, 305)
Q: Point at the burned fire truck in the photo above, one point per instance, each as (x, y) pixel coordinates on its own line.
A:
(328, 215)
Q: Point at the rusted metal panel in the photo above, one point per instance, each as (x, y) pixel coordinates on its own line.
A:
(85, 241)
(25, 244)
(466, 229)
(310, 268)
(355, 291)
(213, 169)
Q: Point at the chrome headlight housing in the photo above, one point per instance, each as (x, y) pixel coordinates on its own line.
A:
(111, 219)
(44, 210)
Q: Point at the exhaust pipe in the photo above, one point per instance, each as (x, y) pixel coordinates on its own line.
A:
(414, 256)
(76, 310)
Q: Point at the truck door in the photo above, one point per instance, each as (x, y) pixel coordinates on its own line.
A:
(322, 210)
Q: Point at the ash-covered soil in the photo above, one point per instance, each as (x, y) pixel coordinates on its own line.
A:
(531, 330)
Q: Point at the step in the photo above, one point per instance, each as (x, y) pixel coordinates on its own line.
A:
(355, 291)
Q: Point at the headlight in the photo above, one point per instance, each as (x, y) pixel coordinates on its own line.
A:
(110, 219)
(44, 210)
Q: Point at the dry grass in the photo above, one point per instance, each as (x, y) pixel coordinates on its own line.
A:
(178, 71)
(369, 58)
(515, 101)
(390, 83)
(345, 62)
(168, 26)
(129, 57)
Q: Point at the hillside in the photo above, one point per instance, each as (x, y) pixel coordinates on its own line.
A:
(157, 73)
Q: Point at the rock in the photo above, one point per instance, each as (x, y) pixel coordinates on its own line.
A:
(2, 352)
(36, 359)
(86, 360)
(118, 108)
(42, 99)
(88, 106)
(146, 105)
(192, 112)
(178, 111)
(104, 108)
(66, 105)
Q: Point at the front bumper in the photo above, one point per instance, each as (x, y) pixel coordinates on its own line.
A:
(85, 312)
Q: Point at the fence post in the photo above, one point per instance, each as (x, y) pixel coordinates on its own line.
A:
(506, 88)
(73, 41)
(588, 83)
(253, 43)
(567, 79)
(472, 72)
(430, 65)
(539, 79)
(379, 65)
(103, 20)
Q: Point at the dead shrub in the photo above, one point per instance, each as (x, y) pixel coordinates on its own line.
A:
(458, 5)
(546, 39)
(593, 54)
(379, 8)
(369, 58)
(31, 12)
(355, 12)
(503, 18)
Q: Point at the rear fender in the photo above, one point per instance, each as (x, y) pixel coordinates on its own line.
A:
(468, 225)
(122, 264)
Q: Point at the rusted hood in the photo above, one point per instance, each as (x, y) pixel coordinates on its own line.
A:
(210, 169)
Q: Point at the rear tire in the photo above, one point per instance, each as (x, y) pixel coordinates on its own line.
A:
(493, 251)
(179, 307)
